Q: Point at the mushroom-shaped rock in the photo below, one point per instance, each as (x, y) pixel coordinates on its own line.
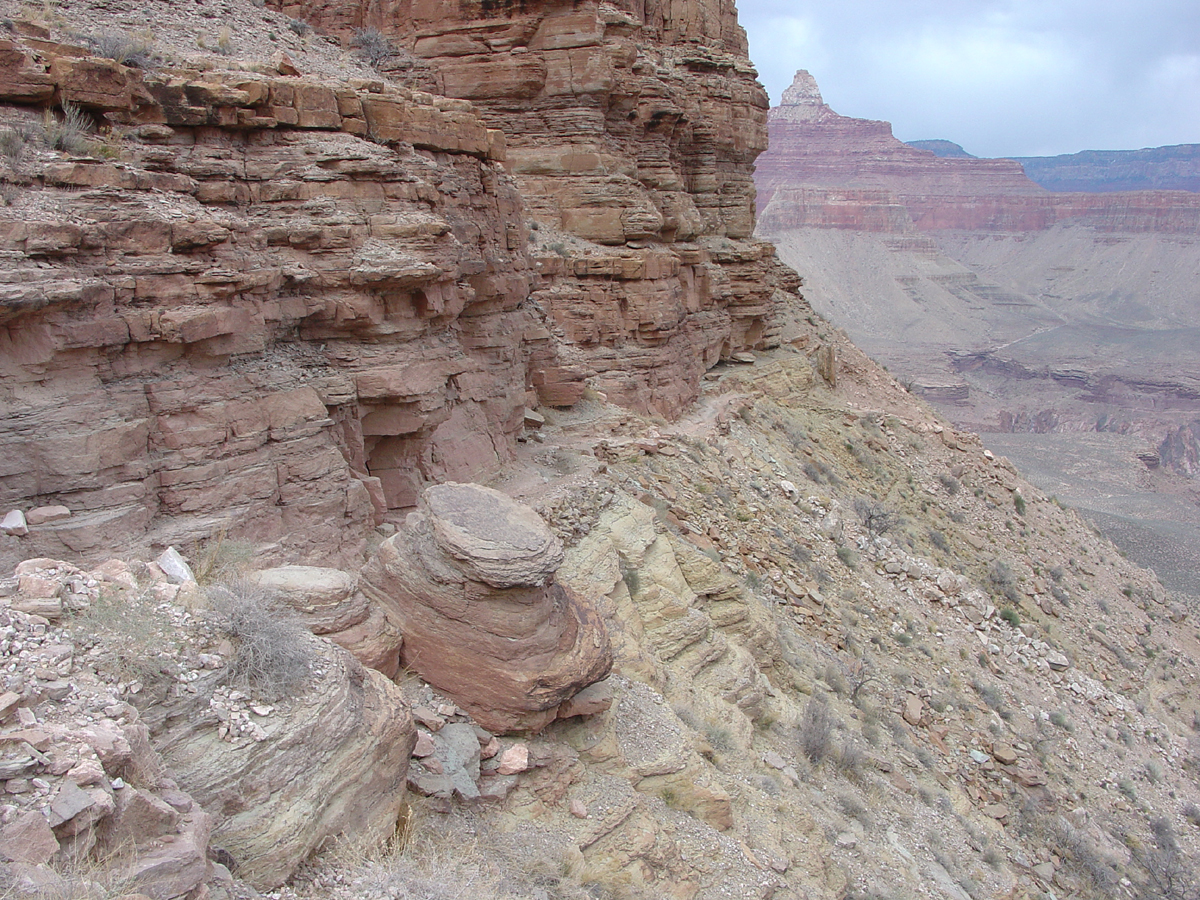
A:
(469, 581)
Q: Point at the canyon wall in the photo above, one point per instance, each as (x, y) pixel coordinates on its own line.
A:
(829, 171)
(631, 129)
(253, 320)
(270, 306)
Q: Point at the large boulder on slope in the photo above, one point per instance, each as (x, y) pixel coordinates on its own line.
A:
(469, 581)
(331, 760)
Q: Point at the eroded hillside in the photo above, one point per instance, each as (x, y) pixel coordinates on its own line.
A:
(735, 616)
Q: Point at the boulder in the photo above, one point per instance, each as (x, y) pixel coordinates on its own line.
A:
(14, 524)
(333, 760)
(28, 839)
(325, 598)
(175, 567)
(470, 582)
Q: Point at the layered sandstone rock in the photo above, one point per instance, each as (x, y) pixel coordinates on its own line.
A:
(275, 307)
(254, 320)
(631, 129)
(332, 760)
(330, 604)
(829, 171)
(469, 581)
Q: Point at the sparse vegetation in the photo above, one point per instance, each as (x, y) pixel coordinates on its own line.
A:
(133, 640)
(938, 540)
(814, 733)
(372, 46)
(68, 132)
(875, 517)
(1059, 719)
(273, 653)
(121, 47)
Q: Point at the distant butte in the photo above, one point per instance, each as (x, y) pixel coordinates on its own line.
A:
(827, 170)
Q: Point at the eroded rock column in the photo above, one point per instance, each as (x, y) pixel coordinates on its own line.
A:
(470, 582)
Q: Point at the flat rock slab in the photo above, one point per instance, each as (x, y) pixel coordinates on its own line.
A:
(497, 540)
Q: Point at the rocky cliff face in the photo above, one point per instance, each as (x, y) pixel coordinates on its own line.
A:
(830, 171)
(253, 318)
(275, 305)
(631, 130)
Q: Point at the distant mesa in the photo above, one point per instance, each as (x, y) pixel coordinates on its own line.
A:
(825, 170)
(944, 149)
(1174, 168)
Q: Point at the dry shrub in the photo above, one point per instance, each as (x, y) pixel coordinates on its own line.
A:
(121, 47)
(372, 46)
(273, 652)
(815, 731)
(68, 133)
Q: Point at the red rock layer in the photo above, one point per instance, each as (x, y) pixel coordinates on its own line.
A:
(257, 322)
(830, 171)
(631, 126)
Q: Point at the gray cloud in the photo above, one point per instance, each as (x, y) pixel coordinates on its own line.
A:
(1000, 77)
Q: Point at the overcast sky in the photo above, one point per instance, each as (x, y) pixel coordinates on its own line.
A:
(1000, 77)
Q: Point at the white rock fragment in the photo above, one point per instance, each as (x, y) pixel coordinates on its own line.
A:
(14, 524)
(175, 567)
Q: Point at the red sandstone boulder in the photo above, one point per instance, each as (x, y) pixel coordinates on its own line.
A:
(470, 583)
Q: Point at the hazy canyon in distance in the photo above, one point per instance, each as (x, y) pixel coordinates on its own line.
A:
(1050, 304)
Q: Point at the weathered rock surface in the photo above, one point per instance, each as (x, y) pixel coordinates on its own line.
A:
(330, 604)
(256, 319)
(88, 774)
(67, 778)
(333, 759)
(631, 130)
(469, 582)
(283, 304)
